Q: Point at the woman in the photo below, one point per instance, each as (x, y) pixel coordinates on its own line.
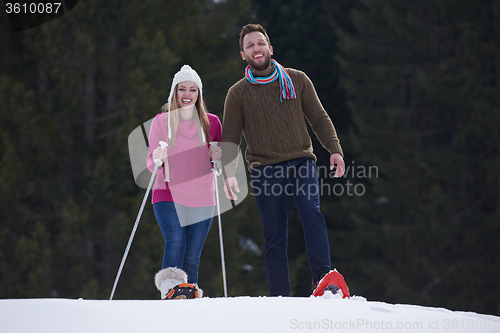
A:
(183, 194)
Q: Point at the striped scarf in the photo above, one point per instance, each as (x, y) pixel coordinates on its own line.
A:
(287, 91)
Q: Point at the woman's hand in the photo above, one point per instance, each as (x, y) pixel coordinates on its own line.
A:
(160, 154)
(215, 153)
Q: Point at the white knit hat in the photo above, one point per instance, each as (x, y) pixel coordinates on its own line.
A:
(185, 74)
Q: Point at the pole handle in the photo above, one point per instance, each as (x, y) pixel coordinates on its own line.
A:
(163, 145)
(217, 169)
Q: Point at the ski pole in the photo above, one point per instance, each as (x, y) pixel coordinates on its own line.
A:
(217, 170)
(157, 164)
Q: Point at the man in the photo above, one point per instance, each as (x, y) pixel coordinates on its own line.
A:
(268, 106)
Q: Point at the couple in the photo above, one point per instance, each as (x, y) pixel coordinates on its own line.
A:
(268, 107)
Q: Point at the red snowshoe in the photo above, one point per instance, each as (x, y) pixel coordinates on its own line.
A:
(329, 282)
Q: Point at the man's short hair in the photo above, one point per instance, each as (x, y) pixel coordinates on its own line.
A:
(251, 28)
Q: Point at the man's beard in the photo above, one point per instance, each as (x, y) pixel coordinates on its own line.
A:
(264, 65)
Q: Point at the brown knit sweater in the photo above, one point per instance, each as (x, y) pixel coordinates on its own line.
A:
(275, 131)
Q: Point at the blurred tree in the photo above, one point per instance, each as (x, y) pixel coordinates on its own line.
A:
(72, 90)
(422, 86)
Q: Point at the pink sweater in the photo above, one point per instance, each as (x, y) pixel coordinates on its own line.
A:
(191, 177)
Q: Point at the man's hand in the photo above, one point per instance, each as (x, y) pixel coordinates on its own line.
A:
(337, 159)
(231, 182)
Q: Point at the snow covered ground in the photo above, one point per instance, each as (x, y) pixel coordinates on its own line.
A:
(238, 314)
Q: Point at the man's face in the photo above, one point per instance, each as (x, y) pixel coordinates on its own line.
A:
(256, 51)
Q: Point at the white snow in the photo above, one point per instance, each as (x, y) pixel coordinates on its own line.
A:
(328, 313)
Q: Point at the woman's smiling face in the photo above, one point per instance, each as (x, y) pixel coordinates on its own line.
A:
(187, 93)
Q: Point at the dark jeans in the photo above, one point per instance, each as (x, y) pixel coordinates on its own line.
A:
(273, 186)
(183, 244)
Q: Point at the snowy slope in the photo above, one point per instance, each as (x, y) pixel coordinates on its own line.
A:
(239, 314)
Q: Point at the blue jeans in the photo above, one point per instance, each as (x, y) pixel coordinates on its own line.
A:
(183, 244)
(273, 186)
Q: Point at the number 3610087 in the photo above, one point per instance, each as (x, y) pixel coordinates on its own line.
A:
(32, 8)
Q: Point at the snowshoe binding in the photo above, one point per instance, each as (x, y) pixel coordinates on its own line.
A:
(332, 281)
(183, 291)
(172, 283)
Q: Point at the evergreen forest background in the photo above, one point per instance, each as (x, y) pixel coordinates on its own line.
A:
(413, 88)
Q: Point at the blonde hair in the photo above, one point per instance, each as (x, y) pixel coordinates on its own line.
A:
(203, 126)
